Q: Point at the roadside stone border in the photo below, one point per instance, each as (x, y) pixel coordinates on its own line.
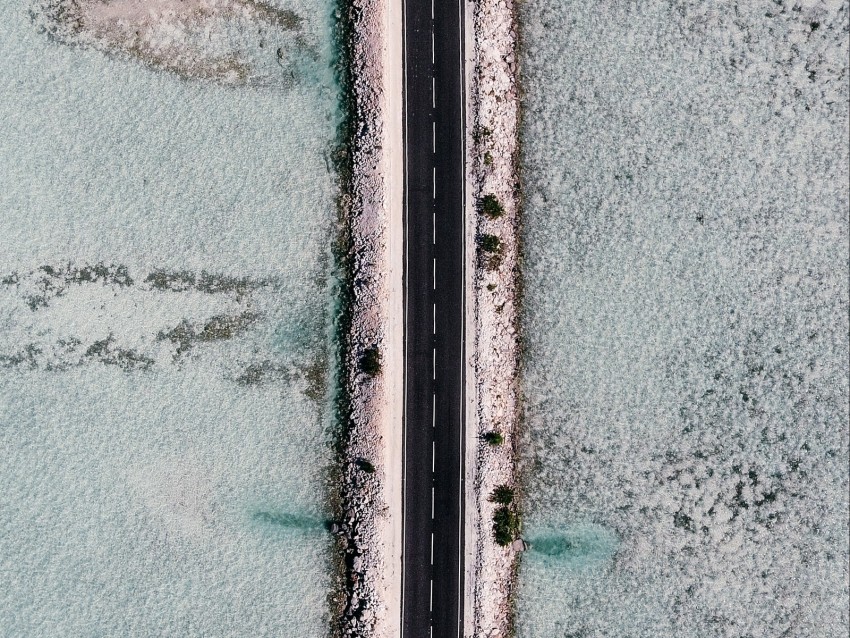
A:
(492, 140)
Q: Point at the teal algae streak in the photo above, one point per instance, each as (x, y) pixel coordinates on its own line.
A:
(574, 547)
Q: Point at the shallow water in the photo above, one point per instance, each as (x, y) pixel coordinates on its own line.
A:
(165, 351)
(686, 319)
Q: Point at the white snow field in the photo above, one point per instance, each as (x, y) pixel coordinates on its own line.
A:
(686, 321)
(165, 339)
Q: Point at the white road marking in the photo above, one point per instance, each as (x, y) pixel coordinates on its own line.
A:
(406, 288)
(434, 193)
(462, 464)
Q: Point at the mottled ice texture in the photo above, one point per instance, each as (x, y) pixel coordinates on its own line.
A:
(685, 169)
(165, 303)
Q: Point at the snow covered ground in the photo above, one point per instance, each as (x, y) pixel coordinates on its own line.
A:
(685, 173)
(165, 341)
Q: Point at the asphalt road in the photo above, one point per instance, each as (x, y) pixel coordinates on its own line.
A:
(432, 571)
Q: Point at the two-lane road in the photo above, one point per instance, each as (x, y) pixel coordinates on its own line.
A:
(434, 183)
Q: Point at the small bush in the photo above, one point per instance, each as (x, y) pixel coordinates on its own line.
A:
(503, 495)
(370, 362)
(481, 133)
(494, 438)
(491, 287)
(491, 206)
(488, 159)
(366, 466)
(489, 243)
(506, 525)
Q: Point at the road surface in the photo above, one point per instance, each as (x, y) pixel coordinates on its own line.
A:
(432, 559)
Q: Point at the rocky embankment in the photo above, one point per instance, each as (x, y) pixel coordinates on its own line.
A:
(371, 464)
(493, 109)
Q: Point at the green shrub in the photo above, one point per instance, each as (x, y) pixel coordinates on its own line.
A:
(489, 243)
(366, 466)
(506, 525)
(370, 362)
(503, 495)
(488, 158)
(494, 438)
(491, 206)
(481, 133)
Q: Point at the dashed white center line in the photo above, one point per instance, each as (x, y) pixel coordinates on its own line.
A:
(433, 409)
(434, 192)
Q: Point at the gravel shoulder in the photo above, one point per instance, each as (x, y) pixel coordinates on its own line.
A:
(492, 317)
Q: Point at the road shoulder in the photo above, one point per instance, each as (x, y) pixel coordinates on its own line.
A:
(372, 516)
(493, 396)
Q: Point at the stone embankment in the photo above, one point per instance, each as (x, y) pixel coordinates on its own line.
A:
(369, 529)
(493, 118)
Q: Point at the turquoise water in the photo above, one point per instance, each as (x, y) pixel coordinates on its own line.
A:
(165, 351)
(686, 319)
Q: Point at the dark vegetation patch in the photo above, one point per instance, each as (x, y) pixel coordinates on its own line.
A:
(27, 356)
(282, 18)
(489, 243)
(481, 134)
(503, 495)
(210, 283)
(218, 328)
(316, 376)
(370, 362)
(263, 372)
(489, 251)
(48, 282)
(365, 465)
(491, 206)
(493, 438)
(104, 351)
(107, 353)
(506, 525)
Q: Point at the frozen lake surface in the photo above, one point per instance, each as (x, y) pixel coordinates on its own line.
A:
(686, 278)
(165, 309)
